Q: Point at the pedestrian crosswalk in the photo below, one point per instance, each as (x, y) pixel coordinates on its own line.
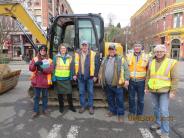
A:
(145, 133)
(54, 132)
(74, 131)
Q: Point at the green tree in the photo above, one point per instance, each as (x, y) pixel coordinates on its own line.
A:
(118, 25)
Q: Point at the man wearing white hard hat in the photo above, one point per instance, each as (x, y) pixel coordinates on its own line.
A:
(161, 82)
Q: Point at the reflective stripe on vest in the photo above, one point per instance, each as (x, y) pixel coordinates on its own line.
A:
(122, 78)
(161, 78)
(92, 63)
(62, 69)
(49, 77)
(137, 69)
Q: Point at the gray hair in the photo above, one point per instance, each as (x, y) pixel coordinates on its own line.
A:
(160, 48)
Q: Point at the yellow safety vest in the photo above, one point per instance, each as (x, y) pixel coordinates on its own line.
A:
(137, 70)
(122, 77)
(92, 63)
(161, 78)
(49, 78)
(62, 69)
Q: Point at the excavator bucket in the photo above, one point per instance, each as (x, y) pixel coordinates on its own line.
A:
(8, 78)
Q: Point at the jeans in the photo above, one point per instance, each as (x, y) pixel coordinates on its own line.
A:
(83, 85)
(115, 98)
(160, 103)
(136, 87)
(37, 92)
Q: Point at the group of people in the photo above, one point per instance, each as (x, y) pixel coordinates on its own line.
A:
(135, 72)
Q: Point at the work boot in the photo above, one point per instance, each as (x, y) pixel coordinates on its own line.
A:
(109, 114)
(34, 115)
(91, 111)
(71, 108)
(45, 113)
(82, 109)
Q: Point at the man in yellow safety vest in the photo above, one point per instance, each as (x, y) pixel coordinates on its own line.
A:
(161, 81)
(138, 63)
(86, 71)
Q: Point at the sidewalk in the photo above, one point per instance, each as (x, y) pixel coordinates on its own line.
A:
(180, 70)
(18, 62)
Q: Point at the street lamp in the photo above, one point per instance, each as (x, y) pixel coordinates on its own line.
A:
(126, 32)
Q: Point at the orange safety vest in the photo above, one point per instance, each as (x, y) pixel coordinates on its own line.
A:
(92, 63)
(49, 78)
(137, 69)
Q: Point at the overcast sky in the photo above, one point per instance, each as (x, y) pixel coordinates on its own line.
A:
(122, 10)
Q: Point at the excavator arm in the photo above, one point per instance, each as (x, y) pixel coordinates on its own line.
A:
(18, 12)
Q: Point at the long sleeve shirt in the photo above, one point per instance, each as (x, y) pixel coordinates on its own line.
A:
(174, 79)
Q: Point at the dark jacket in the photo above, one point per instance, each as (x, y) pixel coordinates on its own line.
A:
(87, 67)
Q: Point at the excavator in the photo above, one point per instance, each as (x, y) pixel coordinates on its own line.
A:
(70, 29)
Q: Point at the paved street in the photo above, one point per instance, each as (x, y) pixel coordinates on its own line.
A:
(16, 110)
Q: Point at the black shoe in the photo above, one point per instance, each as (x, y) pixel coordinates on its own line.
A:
(61, 110)
(72, 109)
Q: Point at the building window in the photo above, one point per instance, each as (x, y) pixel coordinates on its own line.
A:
(36, 4)
(177, 20)
(16, 38)
(50, 1)
(181, 20)
(38, 19)
(62, 10)
(165, 4)
(164, 24)
(37, 11)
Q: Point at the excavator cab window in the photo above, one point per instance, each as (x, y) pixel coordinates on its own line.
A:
(73, 29)
(86, 32)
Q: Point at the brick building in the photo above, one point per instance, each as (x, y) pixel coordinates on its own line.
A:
(41, 11)
(160, 21)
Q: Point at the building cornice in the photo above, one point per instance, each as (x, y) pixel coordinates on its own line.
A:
(171, 31)
(143, 8)
(170, 7)
(68, 5)
(157, 16)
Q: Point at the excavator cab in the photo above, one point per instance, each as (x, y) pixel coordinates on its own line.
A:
(73, 29)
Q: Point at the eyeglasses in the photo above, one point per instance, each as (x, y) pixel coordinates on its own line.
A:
(43, 49)
(159, 51)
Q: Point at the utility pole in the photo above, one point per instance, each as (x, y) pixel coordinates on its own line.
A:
(126, 32)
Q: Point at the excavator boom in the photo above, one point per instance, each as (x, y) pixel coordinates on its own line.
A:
(17, 11)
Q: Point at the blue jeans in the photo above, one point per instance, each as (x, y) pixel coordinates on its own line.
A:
(161, 111)
(136, 87)
(37, 92)
(83, 84)
(115, 98)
